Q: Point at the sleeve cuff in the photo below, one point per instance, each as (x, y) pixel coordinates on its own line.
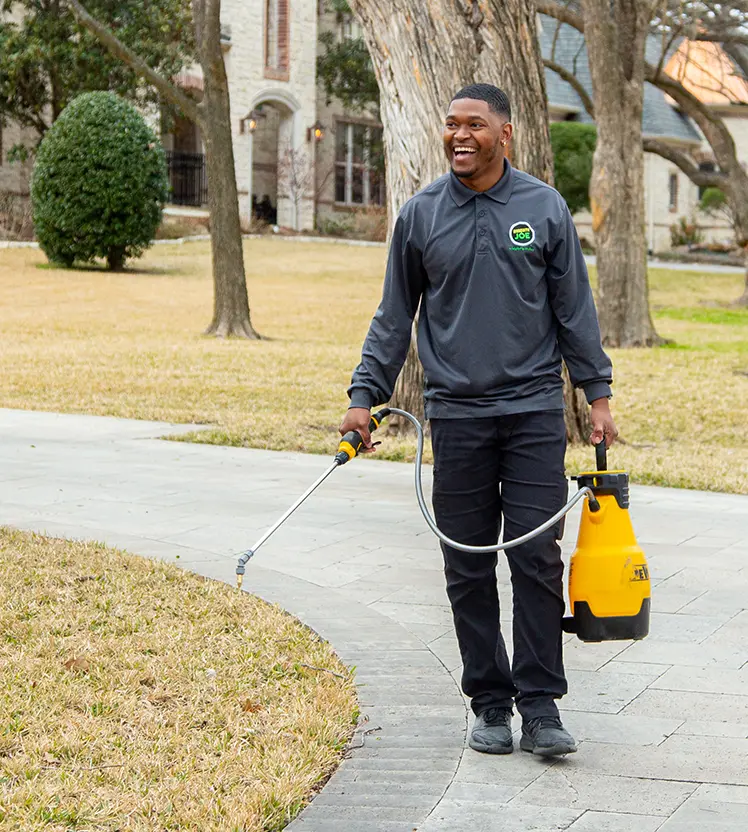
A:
(597, 390)
(361, 398)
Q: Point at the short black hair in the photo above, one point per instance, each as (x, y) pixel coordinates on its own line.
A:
(497, 99)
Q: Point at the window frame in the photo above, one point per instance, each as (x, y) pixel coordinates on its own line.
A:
(349, 166)
(673, 187)
(280, 71)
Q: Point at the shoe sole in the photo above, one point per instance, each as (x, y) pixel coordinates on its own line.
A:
(491, 749)
(558, 750)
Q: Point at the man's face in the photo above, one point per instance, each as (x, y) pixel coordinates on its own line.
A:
(473, 133)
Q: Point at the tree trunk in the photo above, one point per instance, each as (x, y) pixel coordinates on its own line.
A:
(422, 54)
(230, 302)
(615, 35)
(737, 193)
(577, 415)
(116, 259)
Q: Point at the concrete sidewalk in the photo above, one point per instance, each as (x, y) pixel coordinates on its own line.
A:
(663, 723)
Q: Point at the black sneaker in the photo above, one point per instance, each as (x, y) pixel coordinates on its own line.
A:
(492, 731)
(546, 736)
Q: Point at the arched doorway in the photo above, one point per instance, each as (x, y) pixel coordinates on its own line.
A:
(276, 171)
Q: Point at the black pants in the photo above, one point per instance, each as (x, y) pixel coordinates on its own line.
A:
(510, 466)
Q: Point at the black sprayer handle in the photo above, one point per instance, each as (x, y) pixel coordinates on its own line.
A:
(601, 456)
(351, 444)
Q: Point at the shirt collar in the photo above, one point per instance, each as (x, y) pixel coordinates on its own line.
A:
(500, 192)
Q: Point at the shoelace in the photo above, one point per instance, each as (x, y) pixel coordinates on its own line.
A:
(545, 722)
(497, 716)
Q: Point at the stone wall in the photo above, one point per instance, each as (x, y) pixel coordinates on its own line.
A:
(293, 97)
(14, 176)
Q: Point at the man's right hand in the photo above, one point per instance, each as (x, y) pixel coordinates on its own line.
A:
(358, 418)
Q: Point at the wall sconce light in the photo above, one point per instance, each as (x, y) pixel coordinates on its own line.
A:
(316, 132)
(249, 123)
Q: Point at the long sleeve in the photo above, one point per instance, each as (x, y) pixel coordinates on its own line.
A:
(572, 303)
(386, 345)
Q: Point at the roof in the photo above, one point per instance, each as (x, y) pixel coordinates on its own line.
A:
(660, 119)
(706, 71)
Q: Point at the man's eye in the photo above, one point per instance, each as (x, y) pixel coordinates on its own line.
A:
(476, 124)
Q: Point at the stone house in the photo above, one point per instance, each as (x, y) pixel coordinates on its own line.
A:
(302, 162)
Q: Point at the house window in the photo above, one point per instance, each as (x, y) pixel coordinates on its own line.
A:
(276, 38)
(348, 28)
(359, 168)
(673, 192)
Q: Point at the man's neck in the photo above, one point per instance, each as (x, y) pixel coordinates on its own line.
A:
(486, 181)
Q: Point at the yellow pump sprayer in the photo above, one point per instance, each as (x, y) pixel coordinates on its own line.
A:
(609, 589)
(609, 586)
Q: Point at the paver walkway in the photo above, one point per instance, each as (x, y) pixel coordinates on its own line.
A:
(663, 723)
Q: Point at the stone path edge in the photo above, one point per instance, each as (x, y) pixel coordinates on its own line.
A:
(368, 641)
(365, 640)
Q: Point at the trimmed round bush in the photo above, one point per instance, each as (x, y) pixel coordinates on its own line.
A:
(99, 183)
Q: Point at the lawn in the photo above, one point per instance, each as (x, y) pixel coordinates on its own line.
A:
(131, 345)
(136, 696)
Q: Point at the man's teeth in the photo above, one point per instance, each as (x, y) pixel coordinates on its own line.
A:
(465, 150)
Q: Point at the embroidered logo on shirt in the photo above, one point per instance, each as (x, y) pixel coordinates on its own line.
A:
(522, 235)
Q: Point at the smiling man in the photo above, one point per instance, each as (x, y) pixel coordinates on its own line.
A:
(492, 257)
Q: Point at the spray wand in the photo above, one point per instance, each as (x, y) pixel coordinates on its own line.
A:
(350, 446)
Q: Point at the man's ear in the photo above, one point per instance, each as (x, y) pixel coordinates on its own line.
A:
(506, 132)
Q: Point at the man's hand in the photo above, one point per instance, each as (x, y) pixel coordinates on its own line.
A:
(358, 418)
(602, 423)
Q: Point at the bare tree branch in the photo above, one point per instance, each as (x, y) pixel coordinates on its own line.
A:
(562, 13)
(702, 178)
(574, 82)
(693, 107)
(738, 55)
(169, 91)
(722, 37)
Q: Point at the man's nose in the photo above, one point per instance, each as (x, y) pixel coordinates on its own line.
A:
(462, 132)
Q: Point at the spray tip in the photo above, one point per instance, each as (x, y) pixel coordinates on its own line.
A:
(239, 581)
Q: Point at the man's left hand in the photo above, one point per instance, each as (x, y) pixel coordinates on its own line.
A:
(602, 423)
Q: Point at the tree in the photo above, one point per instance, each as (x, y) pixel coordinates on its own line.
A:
(573, 148)
(726, 26)
(47, 58)
(99, 183)
(297, 171)
(714, 203)
(422, 54)
(723, 24)
(345, 70)
(615, 34)
(212, 114)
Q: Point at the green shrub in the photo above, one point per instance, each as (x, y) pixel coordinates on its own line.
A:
(99, 183)
(573, 146)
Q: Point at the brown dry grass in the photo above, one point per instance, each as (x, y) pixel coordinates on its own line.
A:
(135, 696)
(130, 345)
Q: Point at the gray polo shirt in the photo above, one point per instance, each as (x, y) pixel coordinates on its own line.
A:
(503, 293)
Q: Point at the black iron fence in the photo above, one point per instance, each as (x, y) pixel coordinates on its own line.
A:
(188, 178)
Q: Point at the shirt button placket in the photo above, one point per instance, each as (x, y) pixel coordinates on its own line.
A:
(482, 231)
